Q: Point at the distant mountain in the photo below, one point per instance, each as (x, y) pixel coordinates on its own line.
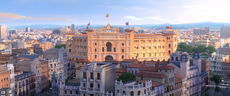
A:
(38, 26)
(212, 25)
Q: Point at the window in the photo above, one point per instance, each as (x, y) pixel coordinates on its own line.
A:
(114, 49)
(98, 76)
(169, 45)
(70, 50)
(98, 85)
(169, 52)
(122, 56)
(109, 46)
(95, 50)
(117, 91)
(123, 44)
(91, 75)
(65, 92)
(95, 43)
(139, 93)
(84, 74)
(70, 91)
(95, 56)
(123, 92)
(83, 84)
(143, 54)
(123, 50)
(131, 93)
(103, 49)
(91, 85)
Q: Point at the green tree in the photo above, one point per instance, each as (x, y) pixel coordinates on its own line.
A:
(184, 48)
(205, 94)
(60, 46)
(125, 77)
(217, 80)
(210, 50)
(200, 49)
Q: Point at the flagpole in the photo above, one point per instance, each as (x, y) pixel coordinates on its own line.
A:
(107, 18)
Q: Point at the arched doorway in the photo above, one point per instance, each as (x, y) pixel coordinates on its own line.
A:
(109, 58)
(109, 46)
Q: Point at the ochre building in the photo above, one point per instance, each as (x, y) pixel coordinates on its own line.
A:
(108, 44)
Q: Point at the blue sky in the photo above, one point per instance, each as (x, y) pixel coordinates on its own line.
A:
(80, 12)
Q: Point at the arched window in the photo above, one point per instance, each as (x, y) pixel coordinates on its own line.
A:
(109, 46)
(124, 93)
(131, 93)
(169, 45)
(122, 56)
(172, 58)
(139, 93)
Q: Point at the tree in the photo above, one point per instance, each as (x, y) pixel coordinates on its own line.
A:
(210, 50)
(125, 77)
(216, 79)
(200, 48)
(205, 94)
(185, 48)
(60, 46)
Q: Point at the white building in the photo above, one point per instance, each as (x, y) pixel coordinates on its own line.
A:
(190, 71)
(57, 60)
(135, 88)
(216, 63)
(97, 79)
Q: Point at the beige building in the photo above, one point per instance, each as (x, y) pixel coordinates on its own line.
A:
(46, 45)
(108, 44)
(4, 77)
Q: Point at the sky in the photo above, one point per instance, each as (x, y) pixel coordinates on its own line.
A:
(136, 12)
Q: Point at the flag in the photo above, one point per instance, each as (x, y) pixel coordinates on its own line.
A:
(107, 15)
(127, 23)
(88, 24)
(168, 27)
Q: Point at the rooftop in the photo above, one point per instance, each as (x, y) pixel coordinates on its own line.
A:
(24, 75)
(156, 84)
(151, 75)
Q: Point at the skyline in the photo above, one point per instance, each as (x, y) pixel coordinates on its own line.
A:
(80, 12)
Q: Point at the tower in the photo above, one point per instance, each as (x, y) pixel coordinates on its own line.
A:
(73, 27)
(27, 29)
(171, 40)
(3, 33)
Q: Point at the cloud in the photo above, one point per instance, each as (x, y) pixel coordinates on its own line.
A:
(12, 16)
(3, 20)
(144, 18)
